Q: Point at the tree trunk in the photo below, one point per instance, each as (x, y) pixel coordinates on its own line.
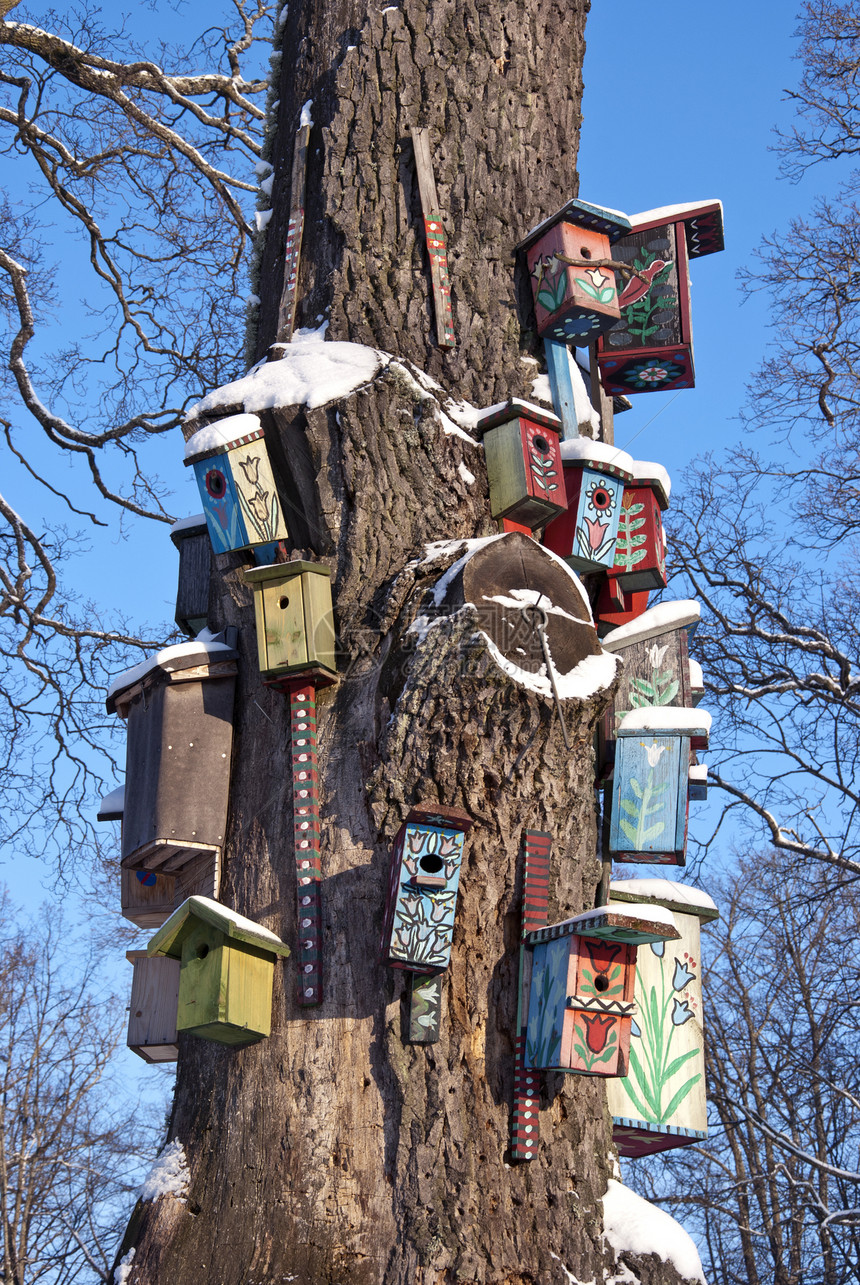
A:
(333, 1151)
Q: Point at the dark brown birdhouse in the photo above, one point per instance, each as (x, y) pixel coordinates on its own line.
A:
(195, 555)
(227, 966)
(179, 710)
(650, 348)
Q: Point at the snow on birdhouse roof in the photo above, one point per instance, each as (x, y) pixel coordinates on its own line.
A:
(309, 372)
(703, 224)
(194, 523)
(656, 476)
(658, 915)
(220, 436)
(657, 620)
(665, 718)
(633, 1225)
(679, 212)
(612, 223)
(112, 805)
(514, 407)
(583, 448)
(202, 650)
(665, 892)
(168, 939)
(699, 772)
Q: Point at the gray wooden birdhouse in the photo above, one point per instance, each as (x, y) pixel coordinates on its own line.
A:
(227, 966)
(152, 1032)
(662, 1103)
(179, 710)
(295, 620)
(195, 555)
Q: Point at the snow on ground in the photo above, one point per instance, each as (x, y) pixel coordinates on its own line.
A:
(632, 1225)
(169, 1175)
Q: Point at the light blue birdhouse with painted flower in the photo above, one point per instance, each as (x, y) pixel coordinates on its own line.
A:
(422, 890)
(650, 787)
(595, 475)
(237, 489)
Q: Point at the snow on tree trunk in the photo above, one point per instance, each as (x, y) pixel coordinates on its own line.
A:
(333, 1151)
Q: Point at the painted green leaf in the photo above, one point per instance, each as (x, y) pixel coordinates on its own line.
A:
(652, 1111)
(630, 808)
(679, 1096)
(636, 787)
(628, 830)
(677, 1063)
(653, 831)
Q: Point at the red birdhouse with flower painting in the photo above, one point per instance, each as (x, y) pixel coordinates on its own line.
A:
(650, 347)
(640, 549)
(574, 290)
(524, 465)
(581, 991)
(595, 477)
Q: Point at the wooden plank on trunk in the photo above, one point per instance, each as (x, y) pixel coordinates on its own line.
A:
(295, 228)
(524, 1119)
(306, 829)
(434, 231)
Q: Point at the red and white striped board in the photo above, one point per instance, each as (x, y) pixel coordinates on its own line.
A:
(537, 846)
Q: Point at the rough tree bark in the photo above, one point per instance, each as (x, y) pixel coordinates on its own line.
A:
(332, 1151)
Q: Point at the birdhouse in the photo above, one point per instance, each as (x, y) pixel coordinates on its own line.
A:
(237, 488)
(656, 665)
(178, 706)
(595, 475)
(662, 1104)
(698, 782)
(422, 889)
(649, 800)
(152, 1031)
(227, 966)
(192, 593)
(295, 620)
(617, 607)
(524, 467)
(574, 289)
(640, 549)
(581, 990)
(650, 347)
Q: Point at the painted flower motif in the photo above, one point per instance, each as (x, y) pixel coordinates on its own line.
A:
(682, 975)
(597, 277)
(595, 532)
(659, 948)
(635, 1028)
(597, 1029)
(681, 1012)
(572, 326)
(651, 373)
(655, 655)
(599, 497)
(251, 468)
(654, 751)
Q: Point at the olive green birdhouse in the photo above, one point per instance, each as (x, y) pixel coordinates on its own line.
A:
(294, 618)
(227, 967)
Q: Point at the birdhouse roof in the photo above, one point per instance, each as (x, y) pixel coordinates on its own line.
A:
(221, 436)
(185, 527)
(611, 223)
(205, 649)
(112, 805)
(283, 570)
(515, 408)
(582, 450)
(655, 476)
(703, 224)
(662, 719)
(168, 940)
(662, 619)
(665, 892)
(429, 813)
(637, 925)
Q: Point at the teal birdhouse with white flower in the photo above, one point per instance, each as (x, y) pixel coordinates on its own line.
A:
(650, 348)
(662, 1104)
(237, 488)
(650, 787)
(422, 891)
(524, 467)
(582, 988)
(574, 289)
(595, 475)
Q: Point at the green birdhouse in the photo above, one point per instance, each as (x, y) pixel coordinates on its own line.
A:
(227, 966)
(295, 622)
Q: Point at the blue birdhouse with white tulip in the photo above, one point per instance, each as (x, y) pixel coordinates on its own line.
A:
(650, 787)
(237, 488)
(422, 890)
(595, 475)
